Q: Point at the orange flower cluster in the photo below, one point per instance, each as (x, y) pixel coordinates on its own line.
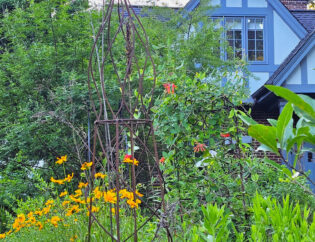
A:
(128, 159)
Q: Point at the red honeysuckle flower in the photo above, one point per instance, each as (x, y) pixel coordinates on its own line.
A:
(225, 135)
(199, 147)
(162, 160)
(168, 87)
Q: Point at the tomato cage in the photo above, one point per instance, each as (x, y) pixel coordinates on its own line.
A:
(121, 82)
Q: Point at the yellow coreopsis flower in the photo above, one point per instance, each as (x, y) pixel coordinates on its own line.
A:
(127, 159)
(86, 165)
(69, 177)
(139, 194)
(61, 160)
(2, 236)
(60, 182)
(39, 212)
(99, 175)
(54, 221)
(110, 197)
(64, 203)
(21, 218)
(49, 202)
(133, 203)
(39, 225)
(46, 209)
(77, 200)
(64, 193)
(81, 185)
(78, 193)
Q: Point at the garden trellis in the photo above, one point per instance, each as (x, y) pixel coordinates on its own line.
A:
(122, 133)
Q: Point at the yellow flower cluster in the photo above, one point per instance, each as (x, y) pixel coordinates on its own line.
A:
(133, 203)
(74, 203)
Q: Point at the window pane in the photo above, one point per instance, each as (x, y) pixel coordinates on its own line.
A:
(238, 54)
(260, 55)
(251, 23)
(229, 34)
(259, 34)
(237, 23)
(251, 34)
(251, 55)
(238, 34)
(259, 45)
(238, 44)
(259, 23)
(231, 43)
(251, 45)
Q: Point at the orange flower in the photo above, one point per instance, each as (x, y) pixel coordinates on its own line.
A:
(86, 165)
(61, 160)
(199, 147)
(162, 160)
(225, 135)
(168, 87)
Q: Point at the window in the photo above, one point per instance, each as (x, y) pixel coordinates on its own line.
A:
(245, 35)
(234, 36)
(255, 33)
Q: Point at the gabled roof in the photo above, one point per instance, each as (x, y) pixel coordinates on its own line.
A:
(289, 64)
(306, 18)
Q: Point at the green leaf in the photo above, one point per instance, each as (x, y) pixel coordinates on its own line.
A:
(300, 105)
(273, 122)
(247, 120)
(273, 163)
(283, 121)
(265, 135)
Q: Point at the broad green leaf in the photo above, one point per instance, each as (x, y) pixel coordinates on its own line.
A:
(283, 121)
(288, 134)
(310, 139)
(265, 135)
(303, 107)
(287, 172)
(247, 120)
(273, 122)
(273, 163)
(296, 140)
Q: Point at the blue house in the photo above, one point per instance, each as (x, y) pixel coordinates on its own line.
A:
(277, 38)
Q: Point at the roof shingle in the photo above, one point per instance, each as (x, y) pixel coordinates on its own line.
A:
(306, 18)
